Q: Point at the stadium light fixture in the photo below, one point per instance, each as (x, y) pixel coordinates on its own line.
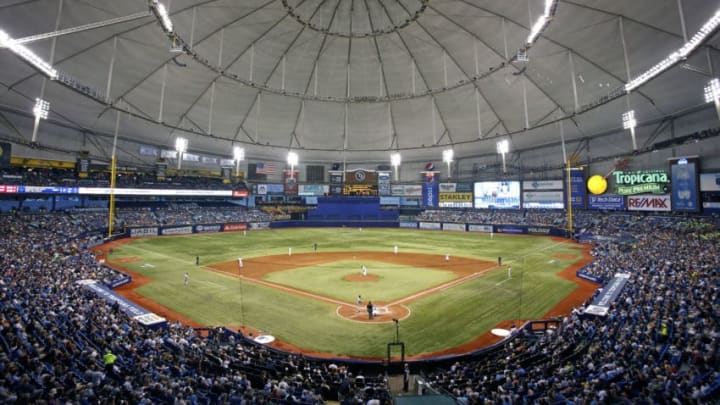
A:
(542, 22)
(629, 122)
(712, 94)
(503, 147)
(448, 158)
(163, 14)
(680, 54)
(181, 145)
(395, 160)
(27, 55)
(41, 109)
(292, 159)
(238, 155)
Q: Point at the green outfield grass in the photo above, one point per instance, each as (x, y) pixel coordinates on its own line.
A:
(394, 281)
(446, 319)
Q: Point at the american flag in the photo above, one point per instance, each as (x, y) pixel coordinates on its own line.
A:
(265, 168)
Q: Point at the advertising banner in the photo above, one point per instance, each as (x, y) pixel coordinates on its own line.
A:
(601, 304)
(234, 227)
(83, 168)
(641, 182)
(510, 229)
(143, 232)
(589, 277)
(464, 187)
(430, 191)
(176, 230)
(259, 225)
(578, 188)
(429, 225)
(384, 183)
(649, 202)
(710, 182)
(455, 197)
(606, 202)
(133, 310)
(208, 228)
(407, 190)
(8, 189)
(535, 185)
(480, 228)
(538, 230)
(453, 227)
(312, 189)
(685, 184)
(291, 185)
(543, 199)
(407, 224)
(146, 150)
(275, 189)
(389, 200)
(447, 187)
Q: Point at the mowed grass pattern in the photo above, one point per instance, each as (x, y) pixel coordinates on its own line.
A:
(443, 320)
(394, 281)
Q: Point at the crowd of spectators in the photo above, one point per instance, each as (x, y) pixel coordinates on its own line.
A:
(498, 217)
(187, 214)
(60, 342)
(59, 177)
(658, 344)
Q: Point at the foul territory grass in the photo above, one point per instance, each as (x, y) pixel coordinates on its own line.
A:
(446, 319)
(393, 281)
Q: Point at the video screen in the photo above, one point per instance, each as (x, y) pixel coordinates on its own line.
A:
(497, 194)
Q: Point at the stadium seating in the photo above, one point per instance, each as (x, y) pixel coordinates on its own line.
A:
(658, 344)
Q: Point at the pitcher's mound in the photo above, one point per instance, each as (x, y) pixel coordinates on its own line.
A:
(360, 278)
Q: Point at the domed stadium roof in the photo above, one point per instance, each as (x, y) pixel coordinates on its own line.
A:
(361, 76)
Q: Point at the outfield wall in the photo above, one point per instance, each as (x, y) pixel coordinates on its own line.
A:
(146, 231)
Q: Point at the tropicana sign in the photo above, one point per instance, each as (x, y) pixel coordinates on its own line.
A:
(641, 182)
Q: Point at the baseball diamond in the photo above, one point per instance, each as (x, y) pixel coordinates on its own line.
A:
(297, 297)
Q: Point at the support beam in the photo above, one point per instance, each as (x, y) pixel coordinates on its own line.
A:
(111, 67)
(682, 20)
(573, 80)
(162, 93)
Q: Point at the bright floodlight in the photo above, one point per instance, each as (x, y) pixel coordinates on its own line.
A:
(680, 54)
(27, 55)
(628, 119)
(503, 147)
(181, 145)
(395, 159)
(541, 22)
(712, 91)
(448, 155)
(41, 108)
(238, 153)
(164, 16)
(292, 158)
(448, 158)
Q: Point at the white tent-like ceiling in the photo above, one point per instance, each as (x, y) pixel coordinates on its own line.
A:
(352, 79)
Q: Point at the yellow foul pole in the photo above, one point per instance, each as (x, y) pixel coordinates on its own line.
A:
(113, 173)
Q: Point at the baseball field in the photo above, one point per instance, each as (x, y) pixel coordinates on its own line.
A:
(446, 289)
